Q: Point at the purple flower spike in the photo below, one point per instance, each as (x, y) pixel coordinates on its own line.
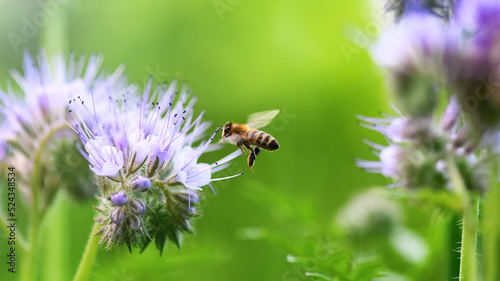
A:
(141, 184)
(119, 198)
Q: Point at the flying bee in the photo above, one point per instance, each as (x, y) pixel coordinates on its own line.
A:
(247, 135)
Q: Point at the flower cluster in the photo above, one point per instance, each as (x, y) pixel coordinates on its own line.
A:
(431, 59)
(142, 149)
(30, 112)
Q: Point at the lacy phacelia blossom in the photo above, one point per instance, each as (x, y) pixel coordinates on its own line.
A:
(425, 54)
(476, 78)
(419, 150)
(413, 52)
(29, 111)
(431, 60)
(142, 150)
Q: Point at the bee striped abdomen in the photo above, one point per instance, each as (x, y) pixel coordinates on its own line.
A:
(262, 139)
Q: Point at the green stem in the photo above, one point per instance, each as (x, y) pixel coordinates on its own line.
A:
(490, 226)
(29, 270)
(54, 232)
(469, 226)
(468, 270)
(83, 272)
(454, 239)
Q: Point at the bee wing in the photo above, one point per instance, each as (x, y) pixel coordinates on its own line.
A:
(261, 119)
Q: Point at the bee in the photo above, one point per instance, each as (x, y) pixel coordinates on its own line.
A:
(247, 135)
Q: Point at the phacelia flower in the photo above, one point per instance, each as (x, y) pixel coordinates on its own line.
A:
(419, 158)
(477, 74)
(30, 112)
(146, 148)
(413, 53)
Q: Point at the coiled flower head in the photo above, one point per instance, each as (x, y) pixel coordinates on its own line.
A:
(143, 150)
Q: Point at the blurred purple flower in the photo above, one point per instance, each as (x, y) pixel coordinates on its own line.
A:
(45, 85)
(418, 42)
(30, 111)
(477, 72)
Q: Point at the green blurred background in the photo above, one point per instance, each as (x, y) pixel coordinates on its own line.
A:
(248, 56)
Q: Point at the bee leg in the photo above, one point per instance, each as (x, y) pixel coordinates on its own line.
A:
(251, 160)
(251, 156)
(256, 150)
(247, 146)
(240, 146)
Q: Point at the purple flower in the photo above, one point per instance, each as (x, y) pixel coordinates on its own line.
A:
(105, 160)
(418, 42)
(419, 53)
(45, 86)
(477, 73)
(393, 162)
(135, 133)
(194, 175)
(141, 143)
(30, 111)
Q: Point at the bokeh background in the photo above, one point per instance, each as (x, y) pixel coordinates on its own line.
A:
(306, 58)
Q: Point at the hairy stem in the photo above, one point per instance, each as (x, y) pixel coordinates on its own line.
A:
(29, 269)
(83, 272)
(469, 226)
(468, 270)
(490, 226)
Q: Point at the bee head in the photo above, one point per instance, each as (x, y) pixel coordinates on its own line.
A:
(227, 129)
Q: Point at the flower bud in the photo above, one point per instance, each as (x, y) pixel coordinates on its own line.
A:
(141, 184)
(119, 198)
(137, 207)
(117, 215)
(451, 114)
(134, 222)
